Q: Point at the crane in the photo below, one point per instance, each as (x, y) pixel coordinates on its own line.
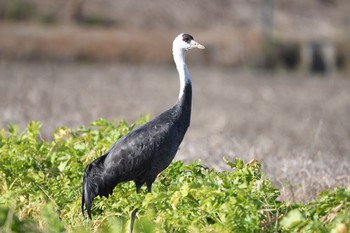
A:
(146, 151)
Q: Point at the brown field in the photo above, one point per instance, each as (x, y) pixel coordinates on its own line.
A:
(297, 126)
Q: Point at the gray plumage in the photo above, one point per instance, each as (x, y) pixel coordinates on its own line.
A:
(144, 152)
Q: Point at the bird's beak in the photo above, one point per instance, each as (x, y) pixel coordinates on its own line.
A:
(195, 44)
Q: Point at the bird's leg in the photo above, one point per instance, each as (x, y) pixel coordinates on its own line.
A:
(133, 216)
(149, 183)
(138, 186)
(134, 212)
(149, 187)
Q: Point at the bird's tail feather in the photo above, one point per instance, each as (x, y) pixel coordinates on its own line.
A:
(92, 185)
(87, 199)
(88, 193)
(83, 202)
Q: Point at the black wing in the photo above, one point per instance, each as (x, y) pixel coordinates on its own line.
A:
(129, 158)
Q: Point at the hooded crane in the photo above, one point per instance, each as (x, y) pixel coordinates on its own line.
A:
(146, 151)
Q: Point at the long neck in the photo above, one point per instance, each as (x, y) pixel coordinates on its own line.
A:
(184, 101)
(184, 74)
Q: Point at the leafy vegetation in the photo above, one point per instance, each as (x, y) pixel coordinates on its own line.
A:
(40, 191)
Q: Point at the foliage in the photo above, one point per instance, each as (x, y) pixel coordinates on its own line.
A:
(329, 212)
(40, 191)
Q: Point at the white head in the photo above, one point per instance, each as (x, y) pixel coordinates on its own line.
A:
(181, 44)
(185, 41)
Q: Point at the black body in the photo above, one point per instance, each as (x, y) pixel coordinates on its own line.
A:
(141, 154)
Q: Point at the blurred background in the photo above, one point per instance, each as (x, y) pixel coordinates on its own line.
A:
(267, 33)
(273, 83)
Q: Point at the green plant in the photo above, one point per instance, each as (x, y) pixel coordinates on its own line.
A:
(40, 189)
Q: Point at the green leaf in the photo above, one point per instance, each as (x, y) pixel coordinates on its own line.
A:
(292, 219)
(13, 129)
(41, 183)
(62, 166)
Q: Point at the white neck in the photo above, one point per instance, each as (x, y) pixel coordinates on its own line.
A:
(184, 74)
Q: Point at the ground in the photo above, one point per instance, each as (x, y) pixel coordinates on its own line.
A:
(296, 125)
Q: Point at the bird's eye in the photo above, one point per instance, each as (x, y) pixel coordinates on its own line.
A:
(187, 38)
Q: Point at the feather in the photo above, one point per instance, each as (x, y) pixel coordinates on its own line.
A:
(144, 152)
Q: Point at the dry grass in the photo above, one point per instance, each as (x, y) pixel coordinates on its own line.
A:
(69, 43)
(142, 32)
(297, 126)
(231, 47)
(28, 41)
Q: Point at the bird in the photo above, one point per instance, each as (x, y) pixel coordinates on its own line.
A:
(145, 151)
